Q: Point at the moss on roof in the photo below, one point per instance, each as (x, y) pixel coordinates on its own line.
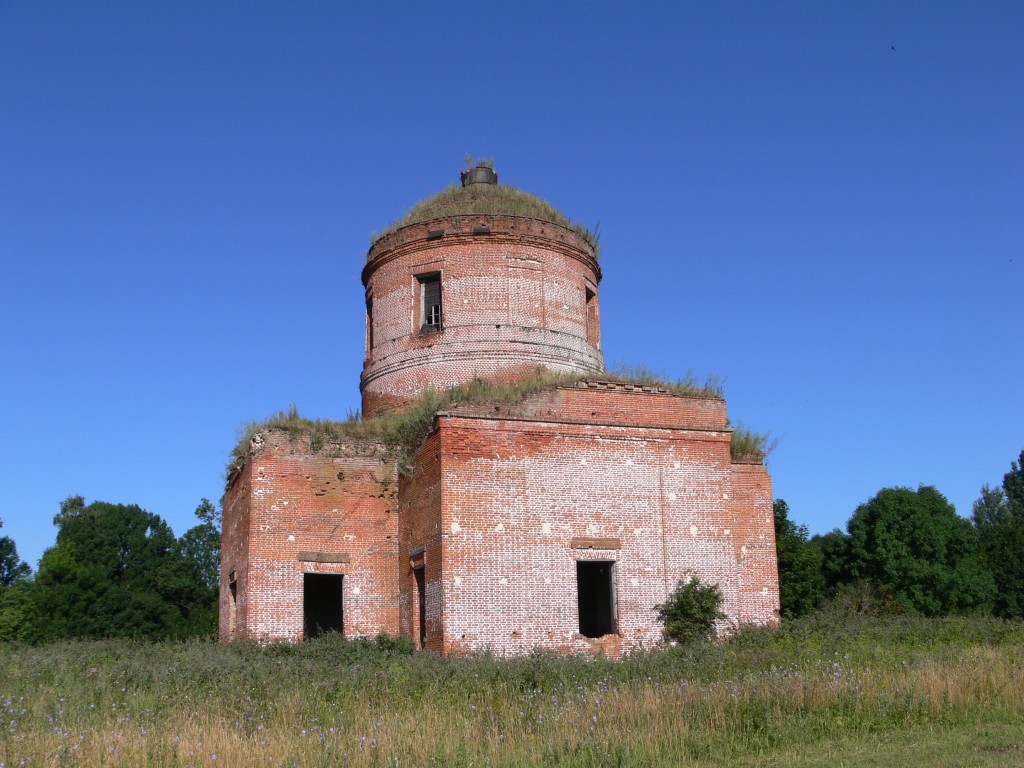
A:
(499, 199)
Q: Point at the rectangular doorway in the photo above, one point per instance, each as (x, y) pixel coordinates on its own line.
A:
(595, 586)
(421, 604)
(322, 607)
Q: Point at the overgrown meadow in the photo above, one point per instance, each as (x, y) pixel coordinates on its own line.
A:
(812, 689)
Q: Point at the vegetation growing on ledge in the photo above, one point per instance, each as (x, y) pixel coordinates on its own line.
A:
(496, 199)
(687, 385)
(748, 446)
(403, 432)
(317, 431)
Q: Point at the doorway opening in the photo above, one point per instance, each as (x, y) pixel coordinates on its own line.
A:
(232, 607)
(322, 608)
(595, 584)
(419, 575)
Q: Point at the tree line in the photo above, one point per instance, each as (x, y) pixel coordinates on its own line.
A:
(118, 571)
(115, 570)
(909, 551)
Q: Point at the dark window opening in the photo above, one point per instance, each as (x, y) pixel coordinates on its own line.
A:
(421, 604)
(596, 593)
(593, 324)
(321, 604)
(369, 326)
(430, 302)
(233, 608)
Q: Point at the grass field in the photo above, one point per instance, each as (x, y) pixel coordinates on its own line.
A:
(837, 692)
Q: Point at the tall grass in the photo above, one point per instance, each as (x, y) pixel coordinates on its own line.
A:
(687, 385)
(749, 446)
(366, 702)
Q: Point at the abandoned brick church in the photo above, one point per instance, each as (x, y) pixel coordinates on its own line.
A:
(555, 519)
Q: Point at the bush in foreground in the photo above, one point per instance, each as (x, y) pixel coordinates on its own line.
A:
(691, 611)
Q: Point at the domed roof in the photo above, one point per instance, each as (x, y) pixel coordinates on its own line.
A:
(487, 198)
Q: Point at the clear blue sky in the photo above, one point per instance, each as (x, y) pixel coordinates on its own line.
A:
(820, 202)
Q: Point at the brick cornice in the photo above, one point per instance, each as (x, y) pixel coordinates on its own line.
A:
(458, 230)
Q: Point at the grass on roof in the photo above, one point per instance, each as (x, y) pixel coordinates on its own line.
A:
(403, 432)
(497, 199)
(750, 447)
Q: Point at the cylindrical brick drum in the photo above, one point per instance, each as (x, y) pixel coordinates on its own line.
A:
(494, 284)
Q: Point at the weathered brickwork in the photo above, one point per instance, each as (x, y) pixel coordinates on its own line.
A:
(521, 295)
(291, 510)
(521, 501)
(556, 522)
(756, 556)
(420, 542)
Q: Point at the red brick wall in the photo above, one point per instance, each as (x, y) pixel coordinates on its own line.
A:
(513, 299)
(515, 493)
(606, 402)
(234, 556)
(756, 554)
(491, 509)
(289, 499)
(420, 542)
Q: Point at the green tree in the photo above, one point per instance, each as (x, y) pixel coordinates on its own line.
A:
(115, 570)
(15, 599)
(17, 613)
(913, 545)
(200, 547)
(999, 519)
(12, 569)
(201, 544)
(690, 613)
(801, 583)
(71, 507)
(1013, 485)
(833, 550)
